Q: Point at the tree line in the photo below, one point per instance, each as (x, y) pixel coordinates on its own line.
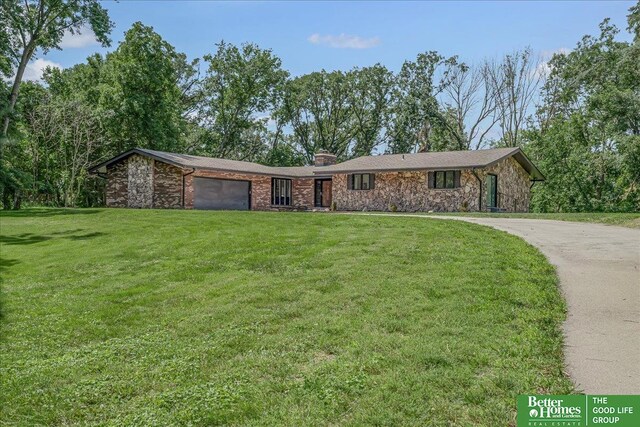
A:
(577, 115)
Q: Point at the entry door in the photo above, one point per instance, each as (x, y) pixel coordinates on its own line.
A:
(219, 194)
(492, 191)
(322, 194)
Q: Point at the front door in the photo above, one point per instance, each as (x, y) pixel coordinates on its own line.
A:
(492, 191)
(322, 193)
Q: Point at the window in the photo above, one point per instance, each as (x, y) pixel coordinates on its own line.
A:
(445, 179)
(280, 192)
(360, 181)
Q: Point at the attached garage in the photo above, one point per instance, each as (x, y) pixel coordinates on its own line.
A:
(221, 194)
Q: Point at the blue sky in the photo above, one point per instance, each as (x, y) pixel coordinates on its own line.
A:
(309, 36)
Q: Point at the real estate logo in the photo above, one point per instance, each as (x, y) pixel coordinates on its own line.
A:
(578, 411)
(551, 410)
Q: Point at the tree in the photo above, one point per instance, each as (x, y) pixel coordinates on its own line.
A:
(17, 167)
(588, 141)
(633, 18)
(514, 82)
(66, 133)
(35, 25)
(240, 88)
(415, 110)
(469, 101)
(369, 96)
(141, 94)
(318, 109)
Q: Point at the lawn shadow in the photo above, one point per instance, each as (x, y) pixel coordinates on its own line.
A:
(30, 238)
(46, 212)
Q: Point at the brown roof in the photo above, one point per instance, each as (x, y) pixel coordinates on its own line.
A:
(431, 160)
(434, 161)
(385, 162)
(212, 163)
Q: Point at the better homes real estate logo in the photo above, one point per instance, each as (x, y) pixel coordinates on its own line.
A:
(578, 411)
(551, 410)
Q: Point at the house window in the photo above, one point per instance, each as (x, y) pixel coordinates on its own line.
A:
(360, 181)
(444, 179)
(280, 192)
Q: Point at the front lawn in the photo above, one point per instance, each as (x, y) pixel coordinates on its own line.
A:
(137, 317)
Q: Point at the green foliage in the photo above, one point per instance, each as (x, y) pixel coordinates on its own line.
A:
(416, 113)
(38, 25)
(634, 21)
(346, 114)
(369, 98)
(317, 105)
(13, 178)
(584, 136)
(140, 92)
(287, 319)
(588, 140)
(284, 153)
(136, 96)
(241, 84)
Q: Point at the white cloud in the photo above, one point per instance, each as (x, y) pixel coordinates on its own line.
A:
(547, 54)
(267, 119)
(344, 41)
(35, 69)
(86, 37)
(543, 69)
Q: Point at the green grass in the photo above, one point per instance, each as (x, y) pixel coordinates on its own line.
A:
(133, 317)
(631, 220)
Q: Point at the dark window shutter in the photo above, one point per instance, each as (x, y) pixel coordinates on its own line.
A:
(456, 179)
(349, 182)
(372, 181)
(430, 179)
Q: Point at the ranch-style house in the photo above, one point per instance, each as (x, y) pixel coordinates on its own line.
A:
(494, 179)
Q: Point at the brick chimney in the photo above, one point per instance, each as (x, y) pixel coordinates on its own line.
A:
(324, 158)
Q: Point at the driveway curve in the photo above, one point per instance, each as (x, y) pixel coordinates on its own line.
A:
(599, 270)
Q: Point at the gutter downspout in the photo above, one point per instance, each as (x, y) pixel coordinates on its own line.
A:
(183, 184)
(473, 170)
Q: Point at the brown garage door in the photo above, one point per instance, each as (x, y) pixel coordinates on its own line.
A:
(224, 194)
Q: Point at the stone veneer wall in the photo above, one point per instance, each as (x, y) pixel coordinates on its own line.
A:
(140, 181)
(167, 186)
(513, 185)
(409, 191)
(116, 190)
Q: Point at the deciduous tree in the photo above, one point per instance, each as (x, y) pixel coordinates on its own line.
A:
(38, 25)
(241, 87)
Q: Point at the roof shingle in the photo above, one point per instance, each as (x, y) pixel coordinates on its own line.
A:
(386, 162)
(432, 160)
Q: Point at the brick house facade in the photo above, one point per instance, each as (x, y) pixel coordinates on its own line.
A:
(497, 179)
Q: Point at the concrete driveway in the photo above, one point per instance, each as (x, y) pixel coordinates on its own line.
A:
(599, 270)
